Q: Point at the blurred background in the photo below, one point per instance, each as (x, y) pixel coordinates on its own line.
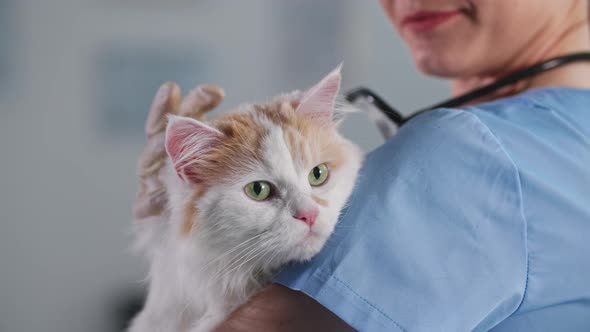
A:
(76, 80)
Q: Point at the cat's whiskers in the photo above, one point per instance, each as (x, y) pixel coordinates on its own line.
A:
(274, 252)
(245, 252)
(224, 273)
(238, 261)
(262, 251)
(239, 255)
(243, 259)
(242, 244)
(260, 258)
(255, 257)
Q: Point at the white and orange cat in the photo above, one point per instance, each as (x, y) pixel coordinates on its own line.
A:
(248, 192)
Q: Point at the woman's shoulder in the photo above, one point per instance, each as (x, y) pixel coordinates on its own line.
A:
(447, 156)
(492, 128)
(550, 96)
(442, 136)
(538, 104)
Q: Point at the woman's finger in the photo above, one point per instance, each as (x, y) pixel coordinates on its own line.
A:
(166, 101)
(201, 100)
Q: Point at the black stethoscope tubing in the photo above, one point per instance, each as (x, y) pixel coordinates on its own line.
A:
(395, 116)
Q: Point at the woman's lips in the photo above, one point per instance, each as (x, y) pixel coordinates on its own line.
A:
(424, 21)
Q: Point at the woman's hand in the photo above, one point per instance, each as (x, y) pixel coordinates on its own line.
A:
(278, 308)
(151, 195)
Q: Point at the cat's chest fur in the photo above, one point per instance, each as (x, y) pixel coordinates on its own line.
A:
(188, 290)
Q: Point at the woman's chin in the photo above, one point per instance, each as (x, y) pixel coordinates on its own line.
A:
(438, 65)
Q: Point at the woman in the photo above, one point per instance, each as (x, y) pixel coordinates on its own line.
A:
(469, 219)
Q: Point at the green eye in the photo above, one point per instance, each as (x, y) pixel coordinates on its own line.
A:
(318, 175)
(258, 190)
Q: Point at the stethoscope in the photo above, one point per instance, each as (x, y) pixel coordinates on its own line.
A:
(371, 101)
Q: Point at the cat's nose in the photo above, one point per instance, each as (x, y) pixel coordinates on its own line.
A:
(307, 216)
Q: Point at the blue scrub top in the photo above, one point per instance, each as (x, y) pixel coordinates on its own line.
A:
(471, 219)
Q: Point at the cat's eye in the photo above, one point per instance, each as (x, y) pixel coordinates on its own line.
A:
(318, 175)
(258, 190)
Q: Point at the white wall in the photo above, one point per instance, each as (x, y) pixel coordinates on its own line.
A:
(66, 187)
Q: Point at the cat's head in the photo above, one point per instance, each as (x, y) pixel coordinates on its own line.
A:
(268, 182)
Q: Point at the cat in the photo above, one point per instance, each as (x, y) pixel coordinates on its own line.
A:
(247, 192)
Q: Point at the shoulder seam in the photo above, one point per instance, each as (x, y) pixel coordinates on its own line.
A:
(519, 188)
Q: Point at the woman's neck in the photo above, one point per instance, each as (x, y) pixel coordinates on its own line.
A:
(573, 38)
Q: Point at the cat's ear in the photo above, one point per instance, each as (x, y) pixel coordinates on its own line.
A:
(319, 101)
(187, 140)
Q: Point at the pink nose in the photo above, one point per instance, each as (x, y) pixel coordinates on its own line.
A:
(307, 216)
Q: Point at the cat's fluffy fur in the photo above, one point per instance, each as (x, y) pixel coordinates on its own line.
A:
(215, 246)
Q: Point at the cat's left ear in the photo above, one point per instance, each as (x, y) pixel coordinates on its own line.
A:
(319, 101)
(187, 141)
